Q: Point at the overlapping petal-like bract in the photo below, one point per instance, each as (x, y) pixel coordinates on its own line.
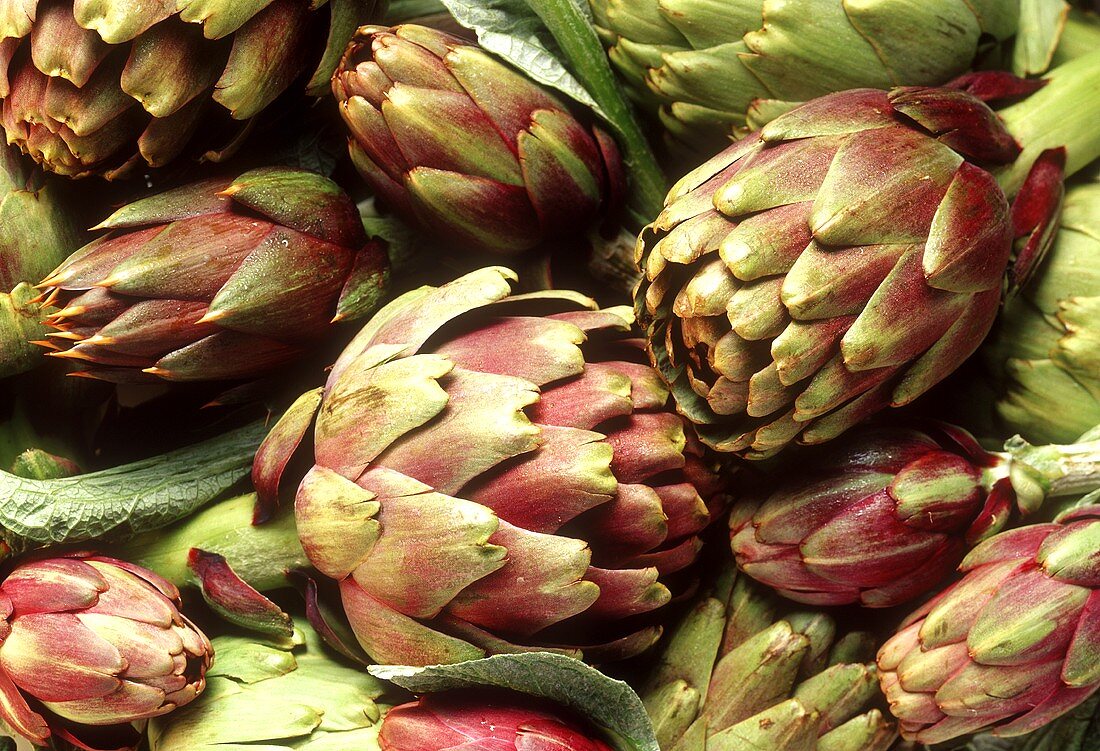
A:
(221, 279)
(741, 672)
(714, 68)
(93, 641)
(498, 473)
(455, 140)
(844, 259)
(442, 722)
(1010, 647)
(880, 520)
(106, 86)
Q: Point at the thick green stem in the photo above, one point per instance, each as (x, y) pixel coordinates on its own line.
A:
(1039, 472)
(1080, 36)
(1065, 112)
(259, 555)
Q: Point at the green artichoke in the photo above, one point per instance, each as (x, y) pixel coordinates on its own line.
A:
(221, 279)
(1012, 645)
(37, 231)
(452, 139)
(497, 473)
(738, 673)
(264, 694)
(1042, 359)
(715, 67)
(107, 86)
(853, 253)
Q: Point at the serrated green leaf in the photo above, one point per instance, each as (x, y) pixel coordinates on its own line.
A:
(608, 704)
(125, 500)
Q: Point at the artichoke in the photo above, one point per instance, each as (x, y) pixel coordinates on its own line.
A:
(276, 696)
(221, 279)
(36, 233)
(852, 254)
(1011, 646)
(110, 86)
(92, 641)
(442, 722)
(458, 142)
(889, 513)
(714, 68)
(737, 673)
(1043, 356)
(495, 474)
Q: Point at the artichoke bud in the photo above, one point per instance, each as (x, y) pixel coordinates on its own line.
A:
(1009, 647)
(89, 644)
(464, 145)
(217, 280)
(888, 516)
(756, 675)
(132, 83)
(787, 297)
(529, 439)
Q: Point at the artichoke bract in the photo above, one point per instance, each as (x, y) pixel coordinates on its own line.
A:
(276, 696)
(1043, 355)
(496, 473)
(440, 722)
(1011, 646)
(456, 141)
(889, 514)
(87, 640)
(739, 672)
(221, 279)
(714, 68)
(851, 254)
(110, 86)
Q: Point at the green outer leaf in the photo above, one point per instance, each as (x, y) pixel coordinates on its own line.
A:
(516, 31)
(124, 500)
(609, 704)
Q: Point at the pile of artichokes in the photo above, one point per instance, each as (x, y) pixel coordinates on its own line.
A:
(603, 375)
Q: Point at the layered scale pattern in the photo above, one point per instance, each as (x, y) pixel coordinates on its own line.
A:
(846, 258)
(1011, 646)
(498, 473)
(461, 143)
(105, 86)
(90, 640)
(221, 279)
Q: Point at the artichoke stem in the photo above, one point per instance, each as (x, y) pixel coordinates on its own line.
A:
(1039, 472)
(1062, 113)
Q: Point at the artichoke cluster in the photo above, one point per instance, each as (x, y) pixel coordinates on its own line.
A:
(293, 464)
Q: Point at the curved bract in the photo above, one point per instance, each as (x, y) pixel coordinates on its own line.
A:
(496, 473)
(1011, 646)
(93, 641)
(846, 258)
(217, 280)
(107, 86)
(878, 520)
(714, 68)
(453, 139)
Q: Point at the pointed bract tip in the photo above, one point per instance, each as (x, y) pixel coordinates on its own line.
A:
(159, 372)
(69, 354)
(68, 335)
(211, 316)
